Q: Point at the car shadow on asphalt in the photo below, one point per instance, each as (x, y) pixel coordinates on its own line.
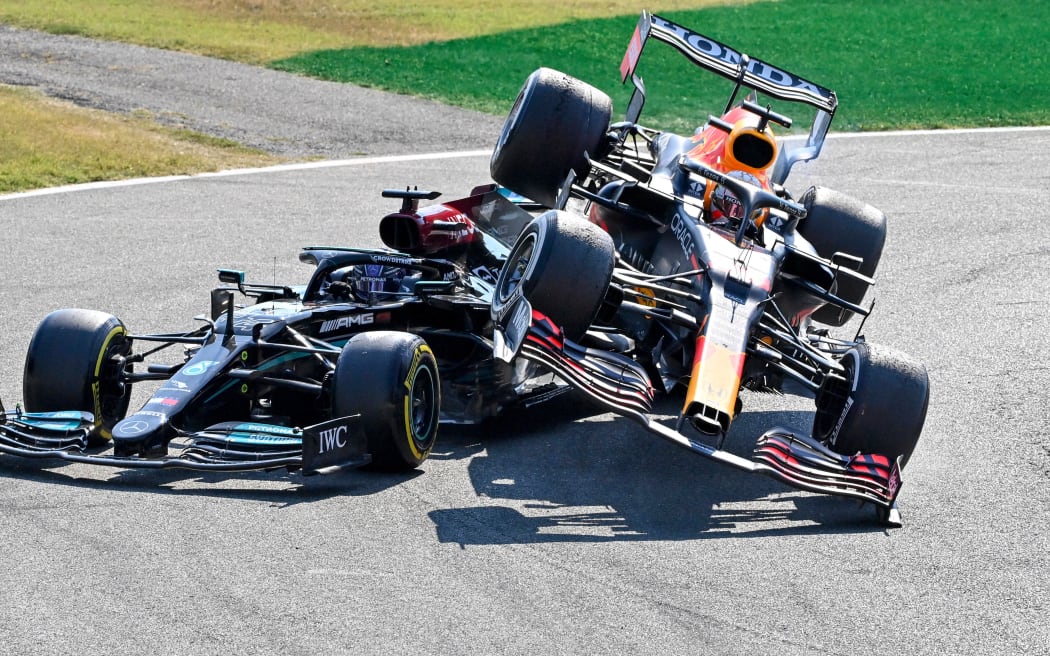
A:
(561, 476)
(280, 487)
(559, 472)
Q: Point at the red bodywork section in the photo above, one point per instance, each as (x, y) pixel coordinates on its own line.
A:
(429, 230)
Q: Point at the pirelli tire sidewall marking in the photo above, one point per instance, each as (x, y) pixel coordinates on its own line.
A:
(853, 355)
(96, 384)
(418, 363)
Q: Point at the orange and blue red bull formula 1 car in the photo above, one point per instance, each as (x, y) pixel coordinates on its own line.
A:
(693, 268)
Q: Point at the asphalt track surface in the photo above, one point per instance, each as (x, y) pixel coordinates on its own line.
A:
(549, 531)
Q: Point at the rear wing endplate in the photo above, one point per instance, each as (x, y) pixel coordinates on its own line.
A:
(741, 69)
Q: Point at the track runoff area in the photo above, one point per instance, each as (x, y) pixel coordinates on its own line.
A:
(461, 154)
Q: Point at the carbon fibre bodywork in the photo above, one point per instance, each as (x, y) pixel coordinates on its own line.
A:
(718, 283)
(253, 389)
(662, 265)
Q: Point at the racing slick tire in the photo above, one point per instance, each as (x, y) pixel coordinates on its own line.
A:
(391, 379)
(880, 407)
(555, 122)
(74, 362)
(563, 265)
(837, 223)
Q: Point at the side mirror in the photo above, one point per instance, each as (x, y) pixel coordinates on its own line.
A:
(231, 277)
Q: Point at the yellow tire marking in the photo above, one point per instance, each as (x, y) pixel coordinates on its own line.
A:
(96, 395)
(409, 382)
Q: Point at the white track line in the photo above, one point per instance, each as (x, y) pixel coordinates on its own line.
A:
(365, 161)
(935, 133)
(302, 166)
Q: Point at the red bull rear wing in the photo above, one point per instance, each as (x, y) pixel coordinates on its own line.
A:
(725, 61)
(744, 71)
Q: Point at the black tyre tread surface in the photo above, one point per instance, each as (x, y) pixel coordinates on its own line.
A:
(834, 223)
(889, 405)
(570, 275)
(556, 119)
(60, 365)
(369, 380)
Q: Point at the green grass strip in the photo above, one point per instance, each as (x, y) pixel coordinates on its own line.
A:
(894, 63)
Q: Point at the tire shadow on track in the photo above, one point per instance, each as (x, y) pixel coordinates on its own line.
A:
(559, 476)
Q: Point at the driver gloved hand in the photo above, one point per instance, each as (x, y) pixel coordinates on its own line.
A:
(340, 290)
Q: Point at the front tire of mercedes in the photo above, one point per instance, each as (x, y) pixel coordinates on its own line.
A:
(75, 361)
(391, 380)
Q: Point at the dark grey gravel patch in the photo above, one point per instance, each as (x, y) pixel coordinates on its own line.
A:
(276, 112)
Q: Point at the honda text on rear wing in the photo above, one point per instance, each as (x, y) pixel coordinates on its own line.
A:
(744, 71)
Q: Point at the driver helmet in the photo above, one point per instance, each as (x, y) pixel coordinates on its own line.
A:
(375, 281)
(725, 206)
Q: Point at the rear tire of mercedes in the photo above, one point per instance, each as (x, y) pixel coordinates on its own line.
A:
(390, 379)
(563, 265)
(74, 362)
(555, 123)
(880, 406)
(837, 223)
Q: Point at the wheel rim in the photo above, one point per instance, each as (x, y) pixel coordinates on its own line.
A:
(832, 402)
(423, 408)
(517, 267)
(112, 393)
